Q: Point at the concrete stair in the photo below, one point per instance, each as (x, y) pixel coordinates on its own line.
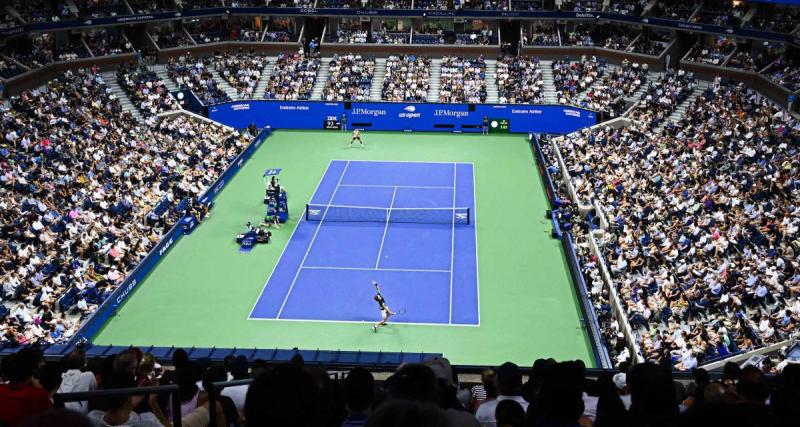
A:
(322, 78)
(632, 99)
(491, 81)
(161, 72)
(436, 80)
(376, 90)
(635, 96)
(225, 86)
(110, 78)
(265, 75)
(548, 88)
(599, 82)
(680, 110)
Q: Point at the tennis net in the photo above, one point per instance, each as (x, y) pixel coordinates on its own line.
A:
(339, 213)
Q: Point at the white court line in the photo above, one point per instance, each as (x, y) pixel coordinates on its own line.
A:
(314, 237)
(475, 228)
(400, 161)
(397, 186)
(473, 219)
(410, 270)
(302, 218)
(368, 322)
(382, 208)
(453, 242)
(385, 228)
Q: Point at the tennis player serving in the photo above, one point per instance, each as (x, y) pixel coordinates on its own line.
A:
(385, 312)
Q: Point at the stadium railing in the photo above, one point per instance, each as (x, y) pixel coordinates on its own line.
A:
(616, 305)
(60, 398)
(584, 208)
(216, 390)
(589, 320)
(588, 315)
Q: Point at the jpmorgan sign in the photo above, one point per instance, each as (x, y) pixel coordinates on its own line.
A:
(389, 116)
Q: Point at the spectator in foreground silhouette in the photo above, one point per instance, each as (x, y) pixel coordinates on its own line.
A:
(283, 396)
(559, 402)
(419, 383)
(359, 391)
(22, 397)
(405, 413)
(509, 413)
(509, 385)
(652, 396)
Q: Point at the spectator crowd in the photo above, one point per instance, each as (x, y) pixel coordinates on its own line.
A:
(349, 78)
(519, 80)
(77, 216)
(241, 71)
(147, 91)
(463, 80)
(416, 394)
(702, 242)
(196, 75)
(574, 77)
(292, 77)
(407, 78)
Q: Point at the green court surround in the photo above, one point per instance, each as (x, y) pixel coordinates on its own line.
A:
(201, 293)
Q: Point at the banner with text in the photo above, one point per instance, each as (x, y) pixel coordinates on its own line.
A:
(386, 116)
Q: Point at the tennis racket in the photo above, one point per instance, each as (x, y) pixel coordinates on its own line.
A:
(400, 312)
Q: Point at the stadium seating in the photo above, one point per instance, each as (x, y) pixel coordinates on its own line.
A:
(573, 77)
(293, 77)
(349, 79)
(701, 307)
(520, 81)
(75, 234)
(406, 78)
(542, 36)
(195, 75)
(146, 90)
(698, 188)
(463, 80)
(242, 72)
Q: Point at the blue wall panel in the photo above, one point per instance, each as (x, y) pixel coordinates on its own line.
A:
(401, 116)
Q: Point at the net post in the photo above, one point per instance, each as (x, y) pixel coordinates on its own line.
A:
(469, 216)
(306, 211)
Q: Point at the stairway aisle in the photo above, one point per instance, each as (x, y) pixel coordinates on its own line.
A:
(265, 76)
(322, 78)
(161, 72)
(225, 86)
(680, 110)
(583, 95)
(436, 80)
(549, 88)
(376, 90)
(110, 78)
(491, 82)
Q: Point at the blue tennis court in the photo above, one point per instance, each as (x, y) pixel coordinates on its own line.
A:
(408, 225)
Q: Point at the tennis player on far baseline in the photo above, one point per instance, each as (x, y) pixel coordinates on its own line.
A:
(356, 137)
(385, 312)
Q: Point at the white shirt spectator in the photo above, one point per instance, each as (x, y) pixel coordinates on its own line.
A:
(485, 413)
(74, 381)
